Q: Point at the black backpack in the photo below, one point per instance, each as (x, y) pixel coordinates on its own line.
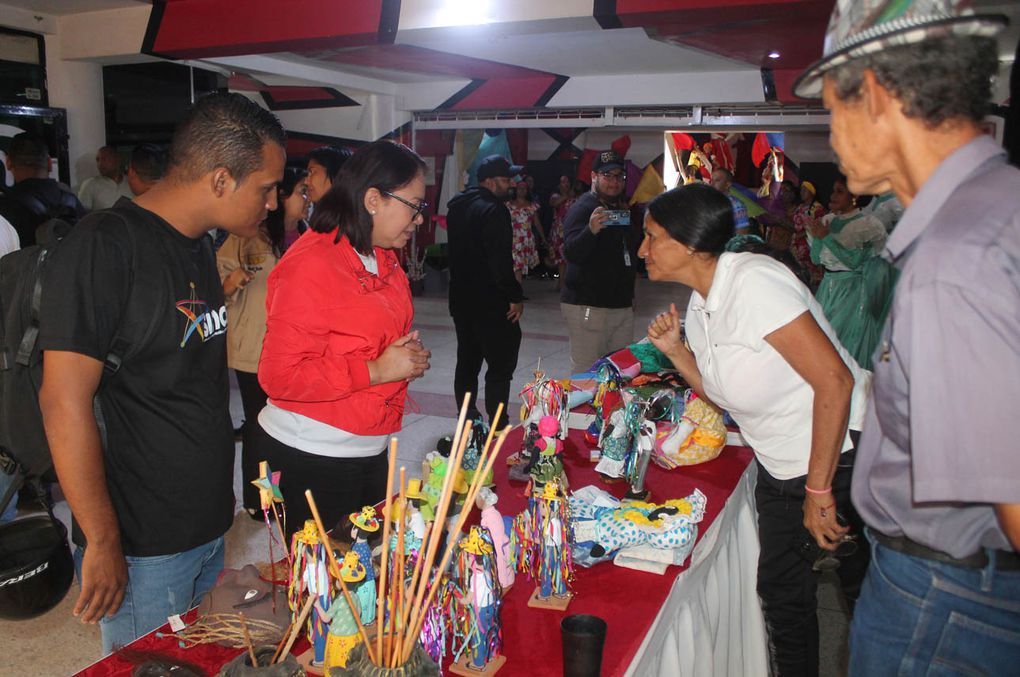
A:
(24, 451)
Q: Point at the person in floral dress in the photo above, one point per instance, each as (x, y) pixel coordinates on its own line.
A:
(524, 218)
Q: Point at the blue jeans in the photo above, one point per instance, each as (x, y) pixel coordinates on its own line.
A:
(920, 617)
(159, 587)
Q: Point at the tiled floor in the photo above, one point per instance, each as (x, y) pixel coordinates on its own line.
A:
(56, 644)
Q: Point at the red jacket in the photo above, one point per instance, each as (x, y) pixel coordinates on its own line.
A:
(326, 317)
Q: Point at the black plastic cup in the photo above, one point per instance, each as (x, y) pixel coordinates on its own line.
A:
(583, 637)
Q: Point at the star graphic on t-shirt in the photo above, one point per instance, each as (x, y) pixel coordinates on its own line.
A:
(190, 307)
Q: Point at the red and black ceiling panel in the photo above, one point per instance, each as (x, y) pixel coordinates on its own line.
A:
(744, 30)
(195, 29)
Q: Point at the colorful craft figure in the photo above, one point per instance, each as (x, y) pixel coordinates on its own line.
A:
(492, 521)
(614, 443)
(434, 466)
(343, 628)
(365, 523)
(268, 485)
(479, 593)
(479, 433)
(540, 542)
(547, 464)
(666, 526)
(542, 397)
(309, 576)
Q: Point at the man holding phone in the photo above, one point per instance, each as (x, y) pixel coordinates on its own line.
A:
(598, 290)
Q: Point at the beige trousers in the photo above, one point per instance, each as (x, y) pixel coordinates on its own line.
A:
(595, 332)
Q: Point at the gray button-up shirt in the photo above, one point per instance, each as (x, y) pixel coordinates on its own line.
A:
(940, 441)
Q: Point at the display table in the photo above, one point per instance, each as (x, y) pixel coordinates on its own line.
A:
(701, 619)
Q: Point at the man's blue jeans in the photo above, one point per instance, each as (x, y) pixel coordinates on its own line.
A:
(159, 587)
(920, 617)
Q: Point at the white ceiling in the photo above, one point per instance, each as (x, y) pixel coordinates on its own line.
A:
(617, 52)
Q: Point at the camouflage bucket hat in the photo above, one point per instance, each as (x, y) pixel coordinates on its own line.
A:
(861, 27)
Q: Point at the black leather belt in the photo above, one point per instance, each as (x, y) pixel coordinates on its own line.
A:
(1005, 560)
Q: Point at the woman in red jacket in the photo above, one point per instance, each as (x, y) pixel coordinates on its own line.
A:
(339, 350)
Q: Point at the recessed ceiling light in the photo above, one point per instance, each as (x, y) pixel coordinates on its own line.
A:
(773, 54)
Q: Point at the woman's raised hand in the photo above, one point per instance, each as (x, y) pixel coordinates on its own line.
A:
(664, 332)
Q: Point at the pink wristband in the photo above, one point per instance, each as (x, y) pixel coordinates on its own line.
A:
(826, 490)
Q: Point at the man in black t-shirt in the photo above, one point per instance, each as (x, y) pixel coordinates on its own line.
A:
(152, 500)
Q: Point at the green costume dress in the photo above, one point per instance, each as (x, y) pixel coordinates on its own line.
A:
(857, 288)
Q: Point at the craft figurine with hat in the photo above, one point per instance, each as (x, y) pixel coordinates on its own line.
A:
(479, 432)
(343, 630)
(310, 577)
(477, 600)
(861, 27)
(540, 544)
(363, 524)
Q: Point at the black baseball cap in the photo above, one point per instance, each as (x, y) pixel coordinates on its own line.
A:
(607, 160)
(497, 165)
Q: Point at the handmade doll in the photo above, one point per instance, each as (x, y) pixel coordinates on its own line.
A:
(542, 397)
(343, 629)
(554, 573)
(309, 576)
(478, 592)
(492, 521)
(365, 523)
(547, 464)
(473, 450)
(435, 465)
(614, 442)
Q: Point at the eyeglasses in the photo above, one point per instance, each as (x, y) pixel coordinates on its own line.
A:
(619, 176)
(416, 208)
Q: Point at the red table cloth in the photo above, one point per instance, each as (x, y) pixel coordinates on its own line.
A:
(628, 600)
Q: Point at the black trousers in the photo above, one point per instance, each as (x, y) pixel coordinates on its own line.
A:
(339, 486)
(253, 399)
(787, 584)
(491, 338)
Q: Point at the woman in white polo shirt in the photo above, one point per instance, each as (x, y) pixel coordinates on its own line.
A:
(761, 348)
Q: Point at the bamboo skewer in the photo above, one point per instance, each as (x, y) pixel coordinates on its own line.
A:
(336, 569)
(398, 572)
(387, 514)
(295, 628)
(247, 640)
(442, 507)
(418, 613)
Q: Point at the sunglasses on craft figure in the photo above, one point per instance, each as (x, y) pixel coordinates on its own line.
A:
(418, 209)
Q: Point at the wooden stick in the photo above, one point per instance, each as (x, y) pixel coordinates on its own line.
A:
(435, 533)
(428, 532)
(380, 594)
(398, 572)
(247, 640)
(284, 649)
(419, 616)
(336, 571)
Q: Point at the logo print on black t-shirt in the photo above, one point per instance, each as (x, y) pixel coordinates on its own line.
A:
(201, 320)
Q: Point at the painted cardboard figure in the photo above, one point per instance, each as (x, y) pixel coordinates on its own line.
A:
(364, 524)
(343, 628)
(492, 521)
(481, 597)
(309, 576)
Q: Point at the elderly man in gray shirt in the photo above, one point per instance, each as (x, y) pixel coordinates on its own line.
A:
(938, 475)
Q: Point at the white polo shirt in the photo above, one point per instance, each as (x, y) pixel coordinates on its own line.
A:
(751, 296)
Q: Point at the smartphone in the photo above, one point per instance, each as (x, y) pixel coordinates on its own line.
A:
(617, 217)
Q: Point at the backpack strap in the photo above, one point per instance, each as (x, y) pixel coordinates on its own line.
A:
(28, 341)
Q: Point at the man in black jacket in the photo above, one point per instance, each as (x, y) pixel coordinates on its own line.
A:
(486, 300)
(598, 293)
(35, 197)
